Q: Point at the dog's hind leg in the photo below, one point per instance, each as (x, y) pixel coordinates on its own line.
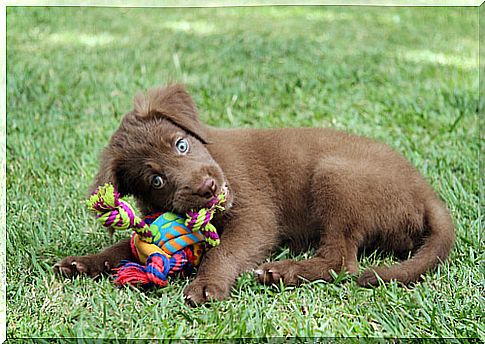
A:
(348, 200)
(336, 253)
(333, 204)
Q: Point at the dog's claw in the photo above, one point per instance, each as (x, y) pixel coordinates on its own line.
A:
(188, 300)
(80, 265)
(266, 275)
(65, 271)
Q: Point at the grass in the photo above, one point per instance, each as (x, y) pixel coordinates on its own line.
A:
(405, 76)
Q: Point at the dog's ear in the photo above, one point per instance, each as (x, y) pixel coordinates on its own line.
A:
(173, 103)
(110, 172)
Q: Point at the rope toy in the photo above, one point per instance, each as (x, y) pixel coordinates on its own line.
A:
(164, 243)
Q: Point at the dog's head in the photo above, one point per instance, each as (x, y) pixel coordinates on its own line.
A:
(159, 154)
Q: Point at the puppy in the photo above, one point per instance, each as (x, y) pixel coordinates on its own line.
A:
(340, 192)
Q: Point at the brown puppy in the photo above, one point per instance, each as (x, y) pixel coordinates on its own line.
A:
(302, 186)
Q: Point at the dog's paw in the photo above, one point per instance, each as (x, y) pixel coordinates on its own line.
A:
(92, 266)
(368, 278)
(201, 291)
(274, 272)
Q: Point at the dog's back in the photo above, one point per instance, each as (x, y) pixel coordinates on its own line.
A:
(313, 175)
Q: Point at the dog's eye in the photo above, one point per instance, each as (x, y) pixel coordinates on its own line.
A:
(157, 182)
(182, 146)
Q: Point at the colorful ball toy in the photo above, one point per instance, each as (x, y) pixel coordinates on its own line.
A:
(163, 243)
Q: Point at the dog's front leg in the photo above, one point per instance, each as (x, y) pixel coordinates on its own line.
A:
(94, 265)
(246, 241)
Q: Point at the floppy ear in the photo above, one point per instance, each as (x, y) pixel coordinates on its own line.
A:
(104, 175)
(173, 103)
(109, 172)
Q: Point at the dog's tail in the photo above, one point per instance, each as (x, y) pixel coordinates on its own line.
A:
(435, 249)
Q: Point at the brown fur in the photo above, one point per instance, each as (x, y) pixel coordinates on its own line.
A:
(339, 191)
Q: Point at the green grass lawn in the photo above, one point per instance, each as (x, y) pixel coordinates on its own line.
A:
(405, 76)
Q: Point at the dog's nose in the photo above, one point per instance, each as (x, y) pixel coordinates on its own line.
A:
(207, 188)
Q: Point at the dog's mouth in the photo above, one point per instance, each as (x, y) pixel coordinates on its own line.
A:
(227, 197)
(185, 201)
